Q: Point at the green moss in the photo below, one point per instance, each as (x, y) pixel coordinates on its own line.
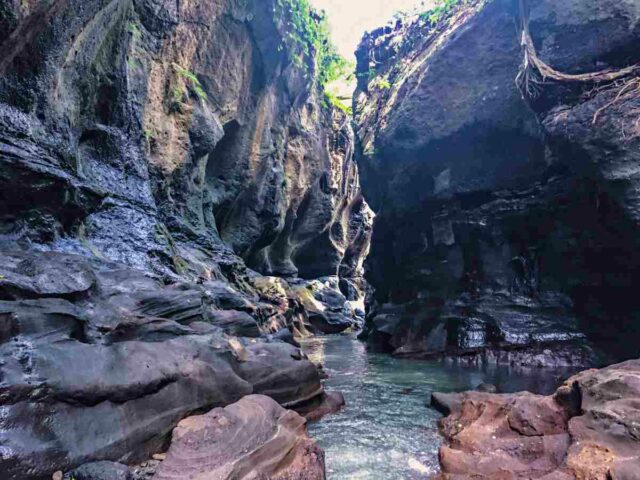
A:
(162, 234)
(82, 237)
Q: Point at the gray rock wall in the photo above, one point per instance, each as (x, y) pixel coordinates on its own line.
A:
(503, 222)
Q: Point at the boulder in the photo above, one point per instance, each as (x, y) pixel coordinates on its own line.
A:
(585, 430)
(100, 471)
(253, 438)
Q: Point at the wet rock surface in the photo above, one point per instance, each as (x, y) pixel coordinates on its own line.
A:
(107, 377)
(161, 165)
(506, 223)
(587, 429)
(254, 438)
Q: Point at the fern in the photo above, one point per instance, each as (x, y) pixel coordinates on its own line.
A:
(193, 79)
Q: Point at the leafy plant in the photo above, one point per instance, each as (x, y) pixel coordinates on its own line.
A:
(382, 83)
(441, 10)
(335, 101)
(308, 38)
(191, 78)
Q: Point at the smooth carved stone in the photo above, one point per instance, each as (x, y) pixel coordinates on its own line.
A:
(254, 438)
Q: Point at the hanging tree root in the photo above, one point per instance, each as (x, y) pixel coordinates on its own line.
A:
(627, 91)
(533, 71)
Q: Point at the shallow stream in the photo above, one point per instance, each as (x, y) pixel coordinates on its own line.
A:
(387, 431)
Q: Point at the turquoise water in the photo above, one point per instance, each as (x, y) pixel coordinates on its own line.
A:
(387, 431)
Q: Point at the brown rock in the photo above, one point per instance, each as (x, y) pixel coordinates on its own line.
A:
(524, 436)
(253, 438)
(321, 406)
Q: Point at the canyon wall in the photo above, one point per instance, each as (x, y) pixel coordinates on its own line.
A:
(163, 164)
(507, 207)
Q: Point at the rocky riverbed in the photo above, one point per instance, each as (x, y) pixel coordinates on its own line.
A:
(182, 204)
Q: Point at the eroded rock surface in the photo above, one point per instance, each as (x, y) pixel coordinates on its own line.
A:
(93, 374)
(587, 430)
(253, 438)
(157, 158)
(505, 224)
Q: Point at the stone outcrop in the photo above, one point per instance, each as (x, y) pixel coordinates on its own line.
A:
(506, 225)
(162, 164)
(587, 430)
(253, 438)
(94, 367)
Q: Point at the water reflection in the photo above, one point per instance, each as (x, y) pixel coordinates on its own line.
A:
(387, 432)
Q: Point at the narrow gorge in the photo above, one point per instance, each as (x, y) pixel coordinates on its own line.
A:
(212, 267)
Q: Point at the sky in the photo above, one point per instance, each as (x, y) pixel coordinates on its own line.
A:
(349, 19)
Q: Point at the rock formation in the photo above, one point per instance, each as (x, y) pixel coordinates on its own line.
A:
(507, 215)
(254, 438)
(162, 165)
(588, 429)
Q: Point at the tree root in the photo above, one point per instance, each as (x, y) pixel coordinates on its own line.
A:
(628, 90)
(534, 71)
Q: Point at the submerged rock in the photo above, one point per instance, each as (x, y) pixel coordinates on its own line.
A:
(588, 429)
(505, 223)
(253, 438)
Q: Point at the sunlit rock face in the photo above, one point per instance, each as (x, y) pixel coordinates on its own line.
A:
(507, 228)
(156, 159)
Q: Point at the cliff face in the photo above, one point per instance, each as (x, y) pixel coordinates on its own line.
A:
(151, 151)
(159, 131)
(506, 222)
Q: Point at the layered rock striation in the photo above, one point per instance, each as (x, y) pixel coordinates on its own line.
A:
(254, 438)
(506, 226)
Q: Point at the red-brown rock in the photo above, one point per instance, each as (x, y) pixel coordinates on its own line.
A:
(254, 438)
(588, 430)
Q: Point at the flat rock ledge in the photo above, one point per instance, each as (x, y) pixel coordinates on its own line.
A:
(254, 438)
(589, 429)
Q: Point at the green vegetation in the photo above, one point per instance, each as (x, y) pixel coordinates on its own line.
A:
(134, 30)
(441, 10)
(335, 101)
(309, 40)
(381, 83)
(163, 235)
(192, 79)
